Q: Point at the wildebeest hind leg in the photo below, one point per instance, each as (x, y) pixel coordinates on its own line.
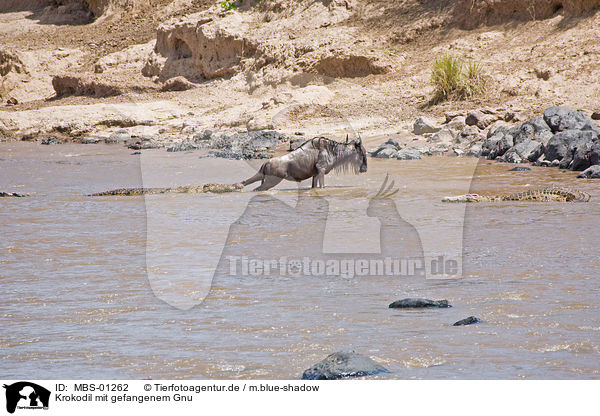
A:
(269, 182)
(259, 176)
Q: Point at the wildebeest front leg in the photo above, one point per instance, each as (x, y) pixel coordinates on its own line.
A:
(319, 178)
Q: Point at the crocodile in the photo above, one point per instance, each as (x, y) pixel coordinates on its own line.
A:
(535, 195)
(190, 189)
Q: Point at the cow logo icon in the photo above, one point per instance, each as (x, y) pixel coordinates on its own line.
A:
(26, 395)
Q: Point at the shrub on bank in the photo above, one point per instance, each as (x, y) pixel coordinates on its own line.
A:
(455, 80)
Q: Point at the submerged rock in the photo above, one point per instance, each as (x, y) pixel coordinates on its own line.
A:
(91, 140)
(143, 142)
(385, 152)
(420, 303)
(467, 321)
(593, 172)
(519, 169)
(50, 140)
(393, 142)
(343, 364)
(410, 153)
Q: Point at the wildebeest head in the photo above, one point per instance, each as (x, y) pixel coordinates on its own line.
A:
(350, 156)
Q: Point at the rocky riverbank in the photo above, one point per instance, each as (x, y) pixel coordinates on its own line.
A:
(77, 71)
(228, 145)
(561, 137)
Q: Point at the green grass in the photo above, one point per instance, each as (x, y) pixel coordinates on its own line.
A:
(454, 79)
(227, 5)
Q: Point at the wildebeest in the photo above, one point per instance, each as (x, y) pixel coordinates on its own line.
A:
(314, 158)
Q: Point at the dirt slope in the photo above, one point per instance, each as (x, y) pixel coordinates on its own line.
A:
(322, 67)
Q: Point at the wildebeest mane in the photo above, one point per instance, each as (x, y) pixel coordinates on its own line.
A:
(345, 160)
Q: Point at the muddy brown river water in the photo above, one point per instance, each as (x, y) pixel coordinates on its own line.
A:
(124, 287)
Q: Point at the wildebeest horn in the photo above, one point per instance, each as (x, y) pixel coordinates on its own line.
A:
(359, 139)
(346, 138)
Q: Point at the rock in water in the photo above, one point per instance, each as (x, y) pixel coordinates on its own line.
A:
(519, 169)
(424, 125)
(343, 364)
(91, 140)
(410, 153)
(593, 172)
(385, 151)
(420, 303)
(467, 321)
(11, 195)
(50, 140)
